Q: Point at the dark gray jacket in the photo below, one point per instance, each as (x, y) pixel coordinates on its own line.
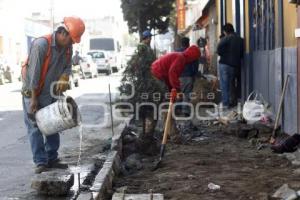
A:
(191, 69)
(231, 50)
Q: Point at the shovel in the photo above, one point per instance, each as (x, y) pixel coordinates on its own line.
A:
(273, 137)
(166, 130)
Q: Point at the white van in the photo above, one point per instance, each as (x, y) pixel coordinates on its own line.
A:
(109, 45)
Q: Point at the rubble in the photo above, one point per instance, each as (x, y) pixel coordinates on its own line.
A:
(297, 171)
(284, 192)
(213, 186)
(122, 196)
(87, 196)
(121, 189)
(133, 162)
(219, 155)
(53, 183)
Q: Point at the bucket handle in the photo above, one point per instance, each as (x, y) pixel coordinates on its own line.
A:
(61, 107)
(251, 94)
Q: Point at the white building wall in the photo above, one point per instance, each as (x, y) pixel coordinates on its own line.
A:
(15, 39)
(193, 13)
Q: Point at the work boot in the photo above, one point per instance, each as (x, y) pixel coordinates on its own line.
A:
(288, 146)
(57, 164)
(40, 168)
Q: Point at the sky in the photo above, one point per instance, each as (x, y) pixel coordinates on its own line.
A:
(13, 13)
(85, 9)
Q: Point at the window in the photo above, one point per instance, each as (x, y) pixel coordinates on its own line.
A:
(106, 44)
(97, 54)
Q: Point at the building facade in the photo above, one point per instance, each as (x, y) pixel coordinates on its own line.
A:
(271, 48)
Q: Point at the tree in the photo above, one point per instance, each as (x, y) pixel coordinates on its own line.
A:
(146, 90)
(147, 14)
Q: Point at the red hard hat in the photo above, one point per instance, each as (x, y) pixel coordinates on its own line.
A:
(75, 26)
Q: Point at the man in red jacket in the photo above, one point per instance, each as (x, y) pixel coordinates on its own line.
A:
(169, 67)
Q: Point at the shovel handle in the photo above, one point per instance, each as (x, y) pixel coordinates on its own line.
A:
(169, 117)
(280, 107)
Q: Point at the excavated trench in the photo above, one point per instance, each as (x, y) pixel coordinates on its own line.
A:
(219, 156)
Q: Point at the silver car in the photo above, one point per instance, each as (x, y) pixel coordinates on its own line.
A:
(101, 58)
(88, 67)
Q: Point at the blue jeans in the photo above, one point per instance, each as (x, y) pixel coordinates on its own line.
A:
(227, 74)
(186, 86)
(43, 149)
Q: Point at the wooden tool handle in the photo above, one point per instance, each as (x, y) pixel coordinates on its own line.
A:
(280, 106)
(169, 117)
(168, 124)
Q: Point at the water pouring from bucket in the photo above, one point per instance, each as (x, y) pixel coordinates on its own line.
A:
(58, 116)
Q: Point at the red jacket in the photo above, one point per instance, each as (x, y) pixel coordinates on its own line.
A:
(170, 66)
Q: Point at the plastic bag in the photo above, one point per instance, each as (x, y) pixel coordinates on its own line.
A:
(254, 109)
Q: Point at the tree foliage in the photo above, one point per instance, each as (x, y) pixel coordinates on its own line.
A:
(147, 14)
(146, 88)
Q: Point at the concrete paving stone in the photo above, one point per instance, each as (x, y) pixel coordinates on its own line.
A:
(284, 192)
(121, 189)
(104, 179)
(121, 196)
(297, 171)
(296, 162)
(117, 165)
(297, 154)
(85, 196)
(117, 143)
(290, 156)
(111, 157)
(53, 183)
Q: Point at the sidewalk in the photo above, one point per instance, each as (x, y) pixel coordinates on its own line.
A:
(218, 157)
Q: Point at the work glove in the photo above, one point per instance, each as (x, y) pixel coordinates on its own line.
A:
(62, 84)
(33, 108)
(33, 105)
(173, 95)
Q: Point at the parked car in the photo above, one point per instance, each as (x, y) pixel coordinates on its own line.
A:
(127, 54)
(75, 76)
(8, 74)
(101, 58)
(113, 61)
(74, 79)
(88, 67)
(111, 46)
(1, 76)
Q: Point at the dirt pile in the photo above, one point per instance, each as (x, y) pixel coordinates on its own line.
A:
(235, 164)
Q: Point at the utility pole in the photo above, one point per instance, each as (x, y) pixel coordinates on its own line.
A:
(52, 14)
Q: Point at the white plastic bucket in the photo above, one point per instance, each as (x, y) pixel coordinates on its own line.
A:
(59, 116)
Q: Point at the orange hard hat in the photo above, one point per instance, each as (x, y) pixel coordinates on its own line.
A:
(75, 26)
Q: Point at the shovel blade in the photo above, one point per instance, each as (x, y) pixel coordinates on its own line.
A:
(162, 152)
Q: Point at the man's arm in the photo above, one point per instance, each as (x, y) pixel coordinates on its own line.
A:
(222, 45)
(63, 81)
(36, 60)
(175, 71)
(37, 56)
(68, 67)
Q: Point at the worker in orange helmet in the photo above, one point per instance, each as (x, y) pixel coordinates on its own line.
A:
(48, 64)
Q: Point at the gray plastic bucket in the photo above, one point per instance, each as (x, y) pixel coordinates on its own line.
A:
(59, 116)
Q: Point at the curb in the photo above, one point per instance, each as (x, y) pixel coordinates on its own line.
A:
(110, 169)
(103, 181)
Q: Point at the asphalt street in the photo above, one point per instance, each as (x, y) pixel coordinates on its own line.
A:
(16, 166)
